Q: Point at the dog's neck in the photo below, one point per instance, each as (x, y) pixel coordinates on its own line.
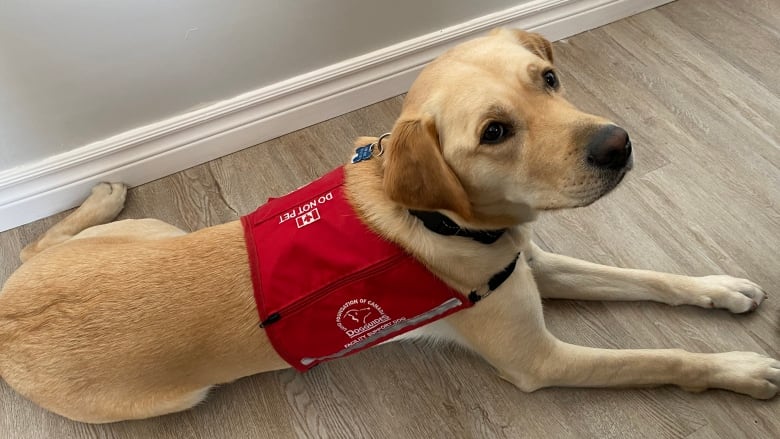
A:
(443, 255)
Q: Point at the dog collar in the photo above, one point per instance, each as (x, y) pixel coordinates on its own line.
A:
(441, 224)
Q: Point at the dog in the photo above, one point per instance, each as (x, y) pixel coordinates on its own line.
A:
(108, 321)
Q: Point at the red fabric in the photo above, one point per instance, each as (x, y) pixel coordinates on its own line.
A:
(336, 286)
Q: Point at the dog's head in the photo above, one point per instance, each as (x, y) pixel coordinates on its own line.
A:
(485, 133)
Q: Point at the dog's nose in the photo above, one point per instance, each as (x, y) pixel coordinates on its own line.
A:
(609, 148)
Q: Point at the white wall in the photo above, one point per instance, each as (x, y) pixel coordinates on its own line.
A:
(77, 71)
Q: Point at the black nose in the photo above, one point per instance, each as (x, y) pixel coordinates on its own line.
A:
(609, 148)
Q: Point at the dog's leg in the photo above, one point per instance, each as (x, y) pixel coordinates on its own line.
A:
(102, 206)
(562, 277)
(508, 330)
(146, 228)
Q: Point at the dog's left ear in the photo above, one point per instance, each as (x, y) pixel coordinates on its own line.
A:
(415, 173)
(532, 41)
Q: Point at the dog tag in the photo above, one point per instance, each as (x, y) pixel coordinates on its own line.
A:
(363, 153)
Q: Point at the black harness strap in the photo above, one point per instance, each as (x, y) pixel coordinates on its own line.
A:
(495, 281)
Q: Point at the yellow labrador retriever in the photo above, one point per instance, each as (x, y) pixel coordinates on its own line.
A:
(132, 319)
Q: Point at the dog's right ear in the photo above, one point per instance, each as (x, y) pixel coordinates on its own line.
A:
(415, 173)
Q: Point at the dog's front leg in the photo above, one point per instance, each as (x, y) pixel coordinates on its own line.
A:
(562, 277)
(507, 329)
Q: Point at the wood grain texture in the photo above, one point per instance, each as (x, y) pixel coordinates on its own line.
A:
(697, 84)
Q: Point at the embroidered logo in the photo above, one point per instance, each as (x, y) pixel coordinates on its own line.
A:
(307, 218)
(358, 316)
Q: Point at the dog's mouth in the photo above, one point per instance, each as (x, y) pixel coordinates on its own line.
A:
(609, 183)
(629, 165)
(582, 195)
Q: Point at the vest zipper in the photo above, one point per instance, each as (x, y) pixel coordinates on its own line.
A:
(291, 309)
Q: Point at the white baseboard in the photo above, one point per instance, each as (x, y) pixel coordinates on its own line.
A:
(147, 153)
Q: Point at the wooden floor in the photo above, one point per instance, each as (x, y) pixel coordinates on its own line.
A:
(697, 84)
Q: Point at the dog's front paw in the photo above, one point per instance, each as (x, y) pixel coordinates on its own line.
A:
(731, 293)
(747, 372)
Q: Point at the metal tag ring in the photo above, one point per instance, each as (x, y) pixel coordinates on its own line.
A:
(379, 148)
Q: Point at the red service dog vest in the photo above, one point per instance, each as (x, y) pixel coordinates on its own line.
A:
(326, 286)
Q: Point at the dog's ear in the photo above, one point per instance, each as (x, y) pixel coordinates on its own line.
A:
(532, 41)
(415, 173)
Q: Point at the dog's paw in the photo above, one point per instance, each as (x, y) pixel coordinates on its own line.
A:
(106, 201)
(747, 372)
(731, 293)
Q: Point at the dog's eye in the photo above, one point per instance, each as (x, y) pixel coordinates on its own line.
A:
(550, 79)
(495, 132)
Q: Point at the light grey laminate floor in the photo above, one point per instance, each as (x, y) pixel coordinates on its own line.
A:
(697, 84)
